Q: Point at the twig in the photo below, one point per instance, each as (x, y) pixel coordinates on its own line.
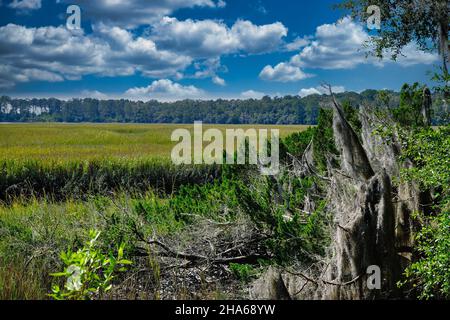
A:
(221, 224)
(322, 280)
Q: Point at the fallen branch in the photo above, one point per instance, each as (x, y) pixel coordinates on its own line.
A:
(299, 274)
(171, 253)
(196, 258)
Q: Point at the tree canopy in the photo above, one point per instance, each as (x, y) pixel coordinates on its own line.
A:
(424, 22)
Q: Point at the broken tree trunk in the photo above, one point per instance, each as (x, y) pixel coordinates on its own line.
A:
(354, 160)
(373, 224)
(364, 236)
(364, 232)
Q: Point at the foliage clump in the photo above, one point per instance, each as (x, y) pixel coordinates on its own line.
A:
(429, 150)
(88, 272)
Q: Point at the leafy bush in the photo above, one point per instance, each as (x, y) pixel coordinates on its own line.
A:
(292, 234)
(296, 143)
(430, 151)
(89, 273)
(431, 274)
(409, 112)
(322, 136)
(244, 272)
(167, 215)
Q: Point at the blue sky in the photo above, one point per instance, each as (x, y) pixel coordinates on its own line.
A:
(199, 49)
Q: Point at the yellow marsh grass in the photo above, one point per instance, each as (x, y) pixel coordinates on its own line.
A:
(60, 141)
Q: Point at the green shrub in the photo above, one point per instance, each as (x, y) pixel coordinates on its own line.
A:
(430, 152)
(292, 234)
(409, 112)
(296, 143)
(430, 275)
(88, 272)
(244, 272)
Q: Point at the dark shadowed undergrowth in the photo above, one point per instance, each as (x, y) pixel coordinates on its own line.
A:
(63, 180)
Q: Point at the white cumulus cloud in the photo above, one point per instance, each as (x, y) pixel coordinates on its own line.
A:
(165, 89)
(338, 46)
(25, 4)
(211, 38)
(219, 81)
(130, 14)
(55, 53)
(283, 72)
(95, 94)
(165, 51)
(252, 94)
(320, 90)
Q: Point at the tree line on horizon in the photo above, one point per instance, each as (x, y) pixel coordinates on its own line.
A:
(278, 110)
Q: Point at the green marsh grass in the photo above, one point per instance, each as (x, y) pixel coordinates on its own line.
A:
(56, 141)
(60, 161)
